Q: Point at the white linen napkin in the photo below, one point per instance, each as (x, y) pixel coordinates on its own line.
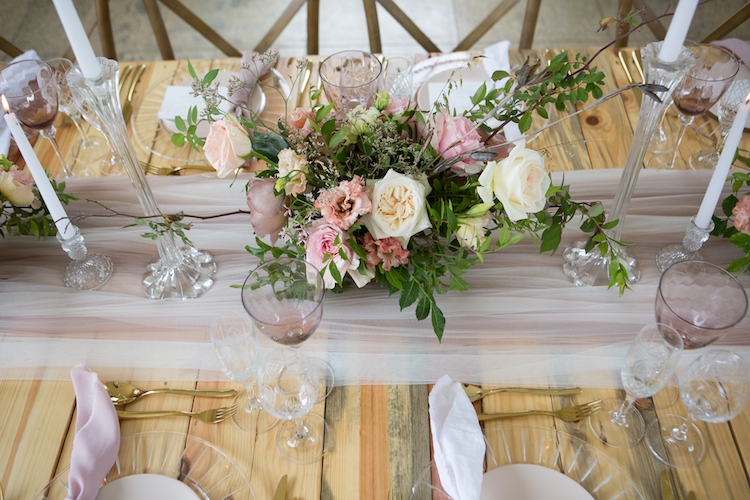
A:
(457, 440)
(497, 58)
(4, 131)
(97, 439)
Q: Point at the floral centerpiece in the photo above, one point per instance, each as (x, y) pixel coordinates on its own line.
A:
(404, 197)
(22, 211)
(736, 209)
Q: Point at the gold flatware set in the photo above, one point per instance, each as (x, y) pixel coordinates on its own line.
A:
(122, 393)
(127, 103)
(161, 170)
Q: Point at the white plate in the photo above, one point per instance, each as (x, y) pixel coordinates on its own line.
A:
(258, 103)
(528, 482)
(466, 82)
(146, 487)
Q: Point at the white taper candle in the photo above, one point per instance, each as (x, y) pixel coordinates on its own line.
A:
(43, 184)
(678, 28)
(719, 178)
(78, 39)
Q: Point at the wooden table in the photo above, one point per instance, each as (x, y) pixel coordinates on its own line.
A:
(381, 433)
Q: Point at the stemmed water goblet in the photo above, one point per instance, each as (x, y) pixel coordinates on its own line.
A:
(649, 363)
(284, 298)
(727, 109)
(238, 352)
(715, 388)
(88, 149)
(702, 301)
(351, 78)
(31, 90)
(701, 88)
(288, 390)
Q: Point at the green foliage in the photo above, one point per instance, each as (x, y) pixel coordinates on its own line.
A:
(722, 227)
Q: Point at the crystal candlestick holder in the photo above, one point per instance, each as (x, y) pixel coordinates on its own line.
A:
(694, 239)
(88, 271)
(592, 268)
(177, 272)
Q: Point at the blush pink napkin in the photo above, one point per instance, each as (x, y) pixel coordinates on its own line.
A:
(97, 439)
(249, 77)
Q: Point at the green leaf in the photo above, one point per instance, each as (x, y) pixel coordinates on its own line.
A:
(596, 209)
(210, 76)
(542, 112)
(423, 307)
(178, 140)
(499, 75)
(479, 94)
(269, 145)
(438, 321)
(525, 122)
(334, 271)
(323, 112)
(593, 77)
(180, 123)
(551, 239)
(191, 70)
(336, 139)
(393, 279)
(409, 294)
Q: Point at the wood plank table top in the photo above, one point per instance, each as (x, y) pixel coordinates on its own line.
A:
(381, 433)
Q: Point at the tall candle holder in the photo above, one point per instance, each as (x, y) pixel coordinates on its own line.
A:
(694, 239)
(177, 272)
(592, 268)
(88, 271)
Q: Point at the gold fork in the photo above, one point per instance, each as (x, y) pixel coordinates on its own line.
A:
(209, 416)
(159, 170)
(568, 414)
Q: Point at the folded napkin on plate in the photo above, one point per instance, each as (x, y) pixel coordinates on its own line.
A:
(97, 439)
(257, 68)
(4, 131)
(497, 59)
(457, 440)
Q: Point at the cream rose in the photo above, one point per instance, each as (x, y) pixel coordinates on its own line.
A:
(518, 181)
(471, 231)
(399, 207)
(226, 144)
(17, 186)
(292, 173)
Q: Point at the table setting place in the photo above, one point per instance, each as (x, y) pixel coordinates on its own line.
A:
(340, 345)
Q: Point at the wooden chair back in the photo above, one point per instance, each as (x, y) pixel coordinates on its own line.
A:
(313, 14)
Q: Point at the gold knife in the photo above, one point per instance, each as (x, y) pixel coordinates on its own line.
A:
(666, 486)
(123, 76)
(281, 489)
(303, 84)
(127, 106)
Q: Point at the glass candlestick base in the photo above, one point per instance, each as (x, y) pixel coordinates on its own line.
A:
(88, 271)
(178, 273)
(694, 238)
(592, 268)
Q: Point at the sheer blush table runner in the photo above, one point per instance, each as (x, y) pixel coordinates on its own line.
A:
(521, 322)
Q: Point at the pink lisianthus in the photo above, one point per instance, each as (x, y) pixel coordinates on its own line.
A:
(17, 186)
(386, 251)
(266, 209)
(300, 120)
(323, 248)
(343, 204)
(741, 212)
(448, 130)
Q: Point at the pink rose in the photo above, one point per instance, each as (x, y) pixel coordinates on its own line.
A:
(17, 186)
(448, 130)
(324, 245)
(344, 203)
(299, 121)
(741, 213)
(266, 209)
(386, 251)
(226, 144)
(397, 105)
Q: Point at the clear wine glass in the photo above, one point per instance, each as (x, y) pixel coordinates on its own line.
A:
(284, 298)
(715, 388)
(660, 141)
(31, 90)
(649, 364)
(727, 110)
(701, 301)
(701, 88)
(288, 390)
(87, 149)
(238, 352)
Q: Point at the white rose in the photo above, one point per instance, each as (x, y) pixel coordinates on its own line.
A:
(362, 276)
(399, 207)
(518, 181)
(471, 231)
(292, 172)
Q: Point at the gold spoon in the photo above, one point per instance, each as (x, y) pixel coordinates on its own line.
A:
(122, 393)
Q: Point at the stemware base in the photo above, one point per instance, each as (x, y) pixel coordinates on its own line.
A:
(89, 273)
(89, 151)
(672, 254)
(306, 447)
(249, 419)
(186, 281)
(705, 158)
(616, 429)
(671, 445)
(592, 268)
